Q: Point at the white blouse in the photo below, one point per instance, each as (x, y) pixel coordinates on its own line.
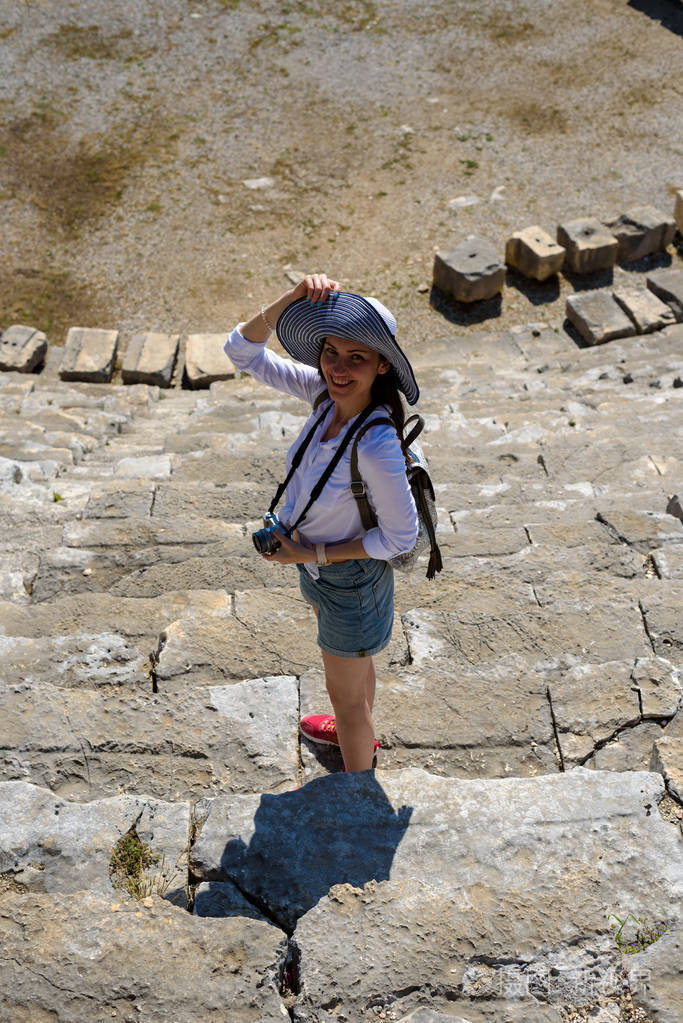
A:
(334, 517)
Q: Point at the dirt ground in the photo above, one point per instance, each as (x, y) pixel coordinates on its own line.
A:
(127, 132)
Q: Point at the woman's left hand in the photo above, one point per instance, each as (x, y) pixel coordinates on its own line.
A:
(290, 553)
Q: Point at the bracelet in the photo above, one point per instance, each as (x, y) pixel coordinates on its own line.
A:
(263, 317)
(321, 554)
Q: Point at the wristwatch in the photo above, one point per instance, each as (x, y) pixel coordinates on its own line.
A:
(320, 554)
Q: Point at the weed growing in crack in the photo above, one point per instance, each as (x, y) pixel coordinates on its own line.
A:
(130, 859)
(645, 934)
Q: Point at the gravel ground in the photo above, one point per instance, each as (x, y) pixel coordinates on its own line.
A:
(127, 131)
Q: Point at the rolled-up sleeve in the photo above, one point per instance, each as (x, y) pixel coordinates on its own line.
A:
(285, 375)
(383, 469)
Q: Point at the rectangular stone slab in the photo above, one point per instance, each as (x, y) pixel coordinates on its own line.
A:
(89, 355)
(22, 349)
(205, 360)
(640, 231)
(150, 359)
(87, 744)
(597, 317)
(668, 285)
(86, 959)
(647, 312)
(289, 849)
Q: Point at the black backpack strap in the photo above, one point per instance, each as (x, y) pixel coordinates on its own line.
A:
(334, 462)
(416, 430)
(298, 455)
(367, 516)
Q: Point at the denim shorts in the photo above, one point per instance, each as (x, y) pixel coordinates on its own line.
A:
(355, 604)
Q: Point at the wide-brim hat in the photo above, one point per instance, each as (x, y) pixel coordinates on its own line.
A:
(302, 329)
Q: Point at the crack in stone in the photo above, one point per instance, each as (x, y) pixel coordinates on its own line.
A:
(647, 631)
(153, 501)
(556, 732)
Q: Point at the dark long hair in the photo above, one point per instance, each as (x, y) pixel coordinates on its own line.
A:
(385, 392)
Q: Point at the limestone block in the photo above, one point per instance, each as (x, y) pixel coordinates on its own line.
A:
(534, 253)
(597, 317)
(667, 758)
(655, 975)
(661, 610)
(668, 285)
(286, 851)
(647, 312)
(85, 957)
(668, 561)
(86, 744)
(589, 245)
(590, 703)
(474, 637)
(659, 685)
(205, 360)
(678, 210)
(630, 750)
(150, 359)
(471, 272)
(105, 659)
(89, 355)
(51, 845)
(640, 231)
(120, 499)
(22, 349)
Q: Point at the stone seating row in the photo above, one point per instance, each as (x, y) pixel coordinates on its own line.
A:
(90, 355)
(473, 271)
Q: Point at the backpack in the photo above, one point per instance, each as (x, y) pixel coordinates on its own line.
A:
(417, 471)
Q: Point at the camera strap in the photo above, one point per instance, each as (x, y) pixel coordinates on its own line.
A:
(334, 462)
(296, 461)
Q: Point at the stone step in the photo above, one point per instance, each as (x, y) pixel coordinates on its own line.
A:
(492, 884)
(86, 744)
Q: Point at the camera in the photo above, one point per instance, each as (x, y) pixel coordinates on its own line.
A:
(265, 540)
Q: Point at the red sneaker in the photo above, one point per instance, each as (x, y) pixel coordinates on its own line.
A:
(320, 728)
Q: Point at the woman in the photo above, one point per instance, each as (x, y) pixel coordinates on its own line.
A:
(347, 353)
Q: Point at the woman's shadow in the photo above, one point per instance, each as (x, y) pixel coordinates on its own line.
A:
(340, 829)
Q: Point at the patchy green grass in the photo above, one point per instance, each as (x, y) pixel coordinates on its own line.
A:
(130, 859)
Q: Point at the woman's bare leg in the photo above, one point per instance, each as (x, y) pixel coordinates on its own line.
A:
(349, 680)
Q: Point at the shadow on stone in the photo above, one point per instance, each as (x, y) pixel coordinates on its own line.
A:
(465, 313)
(571, 331)
(668, 12)
(537, 292)
(341, 829)
(653, 261)
(589, 282)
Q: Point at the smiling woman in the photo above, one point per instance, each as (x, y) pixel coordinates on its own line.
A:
(350, 369)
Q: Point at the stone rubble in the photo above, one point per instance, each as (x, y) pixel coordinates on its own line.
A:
(641, 231)
(529, 705)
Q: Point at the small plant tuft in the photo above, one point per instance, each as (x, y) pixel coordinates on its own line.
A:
(645, 934)
(130, 858)
(56, 497)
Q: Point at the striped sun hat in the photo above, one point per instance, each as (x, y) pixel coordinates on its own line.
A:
(302, 328)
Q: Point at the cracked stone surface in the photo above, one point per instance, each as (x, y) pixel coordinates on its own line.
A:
(51, 845)
(86, 958)
(149, 658)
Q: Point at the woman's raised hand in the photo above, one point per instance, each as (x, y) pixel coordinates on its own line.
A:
(316, 288)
